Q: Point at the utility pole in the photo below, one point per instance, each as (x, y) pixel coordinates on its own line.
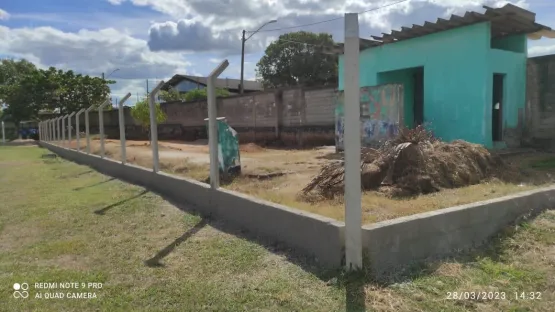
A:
(242, 61)
(243, 40)
(147, 86)
(102, 76)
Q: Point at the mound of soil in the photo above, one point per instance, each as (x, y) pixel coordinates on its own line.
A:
(251, 148)
(413, 164)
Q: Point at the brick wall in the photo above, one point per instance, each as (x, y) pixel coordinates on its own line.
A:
(293, 117)
(540, 106)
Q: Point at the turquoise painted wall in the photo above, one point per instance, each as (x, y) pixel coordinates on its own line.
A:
(458, 78)
(513, 66)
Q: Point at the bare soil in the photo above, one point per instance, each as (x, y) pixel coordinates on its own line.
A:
(278, 175)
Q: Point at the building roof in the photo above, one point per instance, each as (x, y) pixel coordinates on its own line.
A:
(225, 83)
(505, 21)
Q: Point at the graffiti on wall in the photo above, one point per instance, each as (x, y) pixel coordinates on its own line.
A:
(381, 111)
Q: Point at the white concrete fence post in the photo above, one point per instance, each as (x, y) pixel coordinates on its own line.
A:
(3, 133)
(154, 127)
(63, 130)
(87, 134)
(121, 117)
(58, 122)
(77, 134)
(51, 122)
(69, 129)
(101, 125)
(353, 193)
(213, 124)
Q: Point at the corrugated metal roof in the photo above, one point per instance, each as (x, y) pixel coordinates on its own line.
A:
(505, 21)
(225, 83)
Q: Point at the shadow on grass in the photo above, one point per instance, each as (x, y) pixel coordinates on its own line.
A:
(93, 185)
(103, 210)
(353, 283)
(155, 261)
(77, 175)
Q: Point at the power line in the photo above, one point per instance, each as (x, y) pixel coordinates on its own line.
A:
(333, 19)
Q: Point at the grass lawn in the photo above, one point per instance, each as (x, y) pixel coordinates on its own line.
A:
(61, 222)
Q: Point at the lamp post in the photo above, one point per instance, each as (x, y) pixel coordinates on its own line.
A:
(241, 88)
(110, 74)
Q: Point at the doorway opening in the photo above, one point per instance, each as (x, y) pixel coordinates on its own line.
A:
(497, 108)
(418, 106)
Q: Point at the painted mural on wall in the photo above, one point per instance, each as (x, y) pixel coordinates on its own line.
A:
(381, 111)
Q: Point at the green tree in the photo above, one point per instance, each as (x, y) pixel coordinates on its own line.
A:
(16, 93)
(171, 95)
(298, 59)
(70, 92)
(26, 90)
(141, 113)
(200, 94)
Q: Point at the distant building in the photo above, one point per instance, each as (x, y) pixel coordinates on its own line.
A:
(186, 83)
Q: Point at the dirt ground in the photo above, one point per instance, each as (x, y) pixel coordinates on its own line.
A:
(278, 175)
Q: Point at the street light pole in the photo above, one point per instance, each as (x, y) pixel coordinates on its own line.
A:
(243, 40)
(242, 61)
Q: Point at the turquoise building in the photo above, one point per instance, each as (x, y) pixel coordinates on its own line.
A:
(464, 78)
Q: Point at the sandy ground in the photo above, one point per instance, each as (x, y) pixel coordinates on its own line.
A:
(254, 159)
(278, 175)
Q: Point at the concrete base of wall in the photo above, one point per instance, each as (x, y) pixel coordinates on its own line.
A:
(408, 240)
(307, 233)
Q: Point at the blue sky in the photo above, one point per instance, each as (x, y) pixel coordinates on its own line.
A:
(155, 39)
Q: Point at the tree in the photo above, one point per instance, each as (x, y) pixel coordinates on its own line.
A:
(16, 93)
(200, 94)
(141, 113)
(70, 92)
(171, 95)
(289, 62)
(26, 90)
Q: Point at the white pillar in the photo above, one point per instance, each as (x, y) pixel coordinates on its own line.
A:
(58, 121)
(154, 127)
(69, 129)
(87, 128)
(63, 130)
(51, 122)
(213, 124)
(101, 125)
(77, 134)
(40, 132)
(121, 117)
(353, 196)
(3, 134)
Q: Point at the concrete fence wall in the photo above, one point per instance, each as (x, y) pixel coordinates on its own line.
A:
(294, 117)
(540, 106)
(411, 239)
(300, 117)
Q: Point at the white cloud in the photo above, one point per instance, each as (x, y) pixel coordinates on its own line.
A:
(541, 50)
(4, 15)
(90, 52)
(209, 25)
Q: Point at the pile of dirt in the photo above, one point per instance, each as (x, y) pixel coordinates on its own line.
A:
(251, 148)
(413, 163)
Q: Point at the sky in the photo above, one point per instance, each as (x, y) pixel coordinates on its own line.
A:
(133, 41)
